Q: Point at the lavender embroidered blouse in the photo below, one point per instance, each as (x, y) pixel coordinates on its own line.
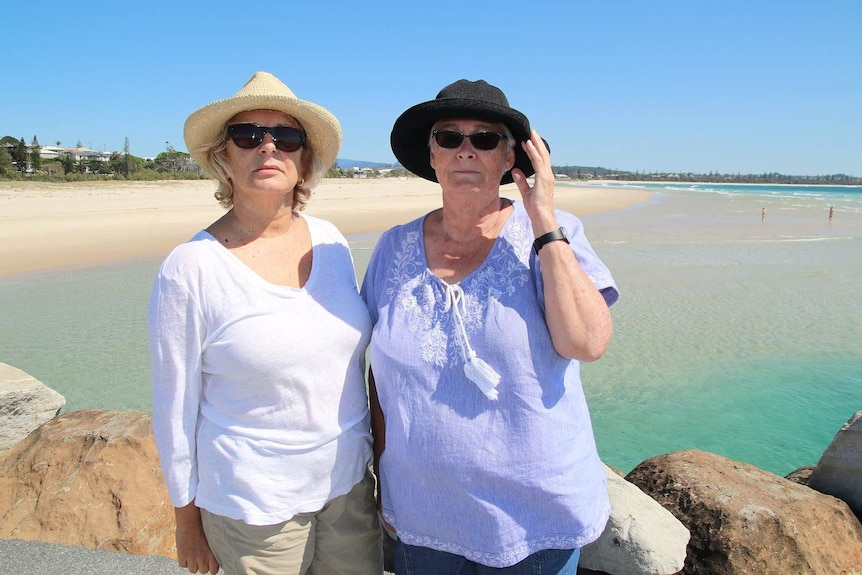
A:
(491, 480)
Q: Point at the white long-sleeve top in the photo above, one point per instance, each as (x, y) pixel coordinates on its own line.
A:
(260, 409)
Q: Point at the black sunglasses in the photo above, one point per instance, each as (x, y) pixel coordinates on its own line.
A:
(285, 138)
(480, 140)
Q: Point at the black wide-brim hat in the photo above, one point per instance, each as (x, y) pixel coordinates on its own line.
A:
(462, 99)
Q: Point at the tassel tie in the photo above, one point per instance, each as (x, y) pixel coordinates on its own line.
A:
(476, 370)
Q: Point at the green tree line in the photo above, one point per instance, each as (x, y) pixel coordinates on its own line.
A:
(18, 160)
(585, 173)
(21, 161)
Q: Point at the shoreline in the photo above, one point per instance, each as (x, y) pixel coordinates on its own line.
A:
(45, 227)
(720, 313)
(623, 183)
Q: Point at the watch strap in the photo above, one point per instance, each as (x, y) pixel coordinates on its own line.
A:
(554, 235)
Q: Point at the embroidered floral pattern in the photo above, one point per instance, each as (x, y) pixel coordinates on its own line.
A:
(422, 296)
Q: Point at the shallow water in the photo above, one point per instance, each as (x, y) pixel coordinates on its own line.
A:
(747, 349)
(732, 336)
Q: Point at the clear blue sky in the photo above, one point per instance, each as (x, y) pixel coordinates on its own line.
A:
(747, 86)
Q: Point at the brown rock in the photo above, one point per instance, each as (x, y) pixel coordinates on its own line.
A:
(800, 475)
(745, 520)
(89, 478)
(25, 404)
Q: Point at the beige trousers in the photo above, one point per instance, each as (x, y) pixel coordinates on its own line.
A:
(343, 538)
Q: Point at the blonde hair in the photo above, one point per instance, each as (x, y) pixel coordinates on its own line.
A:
(217, 166)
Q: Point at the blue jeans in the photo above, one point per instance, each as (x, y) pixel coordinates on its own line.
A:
(412, 560)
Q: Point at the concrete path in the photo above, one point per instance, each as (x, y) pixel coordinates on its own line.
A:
(38, 558)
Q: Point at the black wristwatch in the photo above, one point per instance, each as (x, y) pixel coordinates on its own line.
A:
(556, 235)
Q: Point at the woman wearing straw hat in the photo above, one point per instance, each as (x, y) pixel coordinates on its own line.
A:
(482, 311)
(257, 338)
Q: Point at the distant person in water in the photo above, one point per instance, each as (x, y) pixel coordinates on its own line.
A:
(831, 213)
(762, 214)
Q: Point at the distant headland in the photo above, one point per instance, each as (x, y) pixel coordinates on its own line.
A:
(19, 161)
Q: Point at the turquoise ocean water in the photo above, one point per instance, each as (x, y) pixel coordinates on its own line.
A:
(733, 335)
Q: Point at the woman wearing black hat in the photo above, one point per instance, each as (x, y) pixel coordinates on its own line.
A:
(482, 311)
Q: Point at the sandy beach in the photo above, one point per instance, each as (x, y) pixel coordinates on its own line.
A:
(733, 335)
(47, 226)
(745, 323)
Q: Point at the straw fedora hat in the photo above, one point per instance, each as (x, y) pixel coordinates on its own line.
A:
(461, 99)
(264, 92)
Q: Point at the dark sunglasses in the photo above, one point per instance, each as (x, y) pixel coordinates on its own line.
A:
(480, 140)
(249, 136)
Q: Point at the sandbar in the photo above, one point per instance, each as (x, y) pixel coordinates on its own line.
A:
(47, 226)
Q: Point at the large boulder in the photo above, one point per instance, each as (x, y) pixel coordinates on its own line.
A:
(88, 478)
(839, 471)
(745, 520)
(641, 537)
(25, 404)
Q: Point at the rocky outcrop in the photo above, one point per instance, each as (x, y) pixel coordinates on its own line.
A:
(641, 537)
(89, 478)
(800, 475)
(745, 520)
(25, 404)
(92, 479)
(839, 471)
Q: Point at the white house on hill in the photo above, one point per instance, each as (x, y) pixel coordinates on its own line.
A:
(78, 154)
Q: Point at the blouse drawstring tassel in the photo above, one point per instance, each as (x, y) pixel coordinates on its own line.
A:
(475, 368)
